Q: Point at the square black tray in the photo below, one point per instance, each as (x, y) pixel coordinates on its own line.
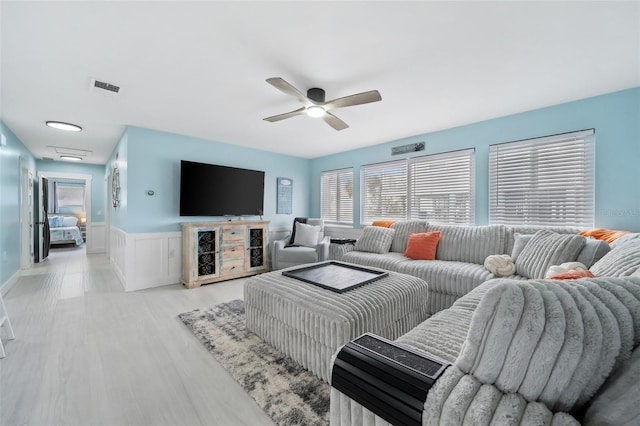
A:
(336, 276)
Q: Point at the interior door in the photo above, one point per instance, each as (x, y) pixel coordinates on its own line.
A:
(44, 237)
(26, 219)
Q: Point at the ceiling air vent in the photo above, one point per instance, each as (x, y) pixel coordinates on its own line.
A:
(106, 86)
(104, 89)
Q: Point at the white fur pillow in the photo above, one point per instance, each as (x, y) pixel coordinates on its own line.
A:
(500, 265)
(564, 268)
(307, 235)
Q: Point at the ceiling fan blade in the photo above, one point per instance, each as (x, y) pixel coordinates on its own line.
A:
(285, 87)
(285, 115)
(357, 99)
(334, 121)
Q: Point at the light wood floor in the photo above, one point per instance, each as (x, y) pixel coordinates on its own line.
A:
(87, 353)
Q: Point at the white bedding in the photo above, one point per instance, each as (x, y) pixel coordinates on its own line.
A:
(67, 234)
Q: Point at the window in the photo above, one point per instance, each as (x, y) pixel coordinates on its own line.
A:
(336, 202)
(383, 191)
(437, 188)
(441, 187)
(69, 196)
(66, 196)
(544, 181)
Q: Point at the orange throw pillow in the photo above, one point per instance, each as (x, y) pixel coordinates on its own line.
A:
(422, 246)
(383, 223)
(573, 275)
(608, 235)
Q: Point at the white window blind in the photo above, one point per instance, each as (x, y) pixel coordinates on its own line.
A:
(543, 181)
(441, 187)
(336, 204)
(383, 191)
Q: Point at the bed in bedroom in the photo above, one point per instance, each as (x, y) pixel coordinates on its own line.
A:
(64, 230)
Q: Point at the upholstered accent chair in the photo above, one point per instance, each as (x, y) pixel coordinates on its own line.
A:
(304, 248)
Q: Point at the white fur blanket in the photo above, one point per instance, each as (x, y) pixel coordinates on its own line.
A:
(552, 342)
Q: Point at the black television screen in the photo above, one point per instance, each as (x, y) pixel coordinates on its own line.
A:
(212, 190)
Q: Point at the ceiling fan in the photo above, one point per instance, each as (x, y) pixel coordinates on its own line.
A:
(315, 105)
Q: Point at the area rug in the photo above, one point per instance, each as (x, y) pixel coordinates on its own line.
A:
(288, 393)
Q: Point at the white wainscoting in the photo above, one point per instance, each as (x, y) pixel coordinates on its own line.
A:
(146, 260)
(96, 238)
(152, 260)
(118, 252)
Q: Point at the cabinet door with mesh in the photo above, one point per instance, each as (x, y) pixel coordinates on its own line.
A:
(206, 252)
(256, 248)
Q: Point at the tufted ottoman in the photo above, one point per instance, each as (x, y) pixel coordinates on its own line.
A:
(309, 323)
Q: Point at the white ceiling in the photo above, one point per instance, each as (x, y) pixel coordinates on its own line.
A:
(199, 68)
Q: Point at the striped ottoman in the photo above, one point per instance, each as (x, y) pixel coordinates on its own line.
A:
(309, 323)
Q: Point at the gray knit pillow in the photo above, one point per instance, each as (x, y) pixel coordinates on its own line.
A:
(375, 239)
(547, 248)
(622, 261)
(593, 251)
(403, 230)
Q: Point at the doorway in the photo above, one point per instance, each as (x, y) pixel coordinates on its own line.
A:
(43, 232)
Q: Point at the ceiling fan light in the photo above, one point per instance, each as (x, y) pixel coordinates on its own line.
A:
(315, 111)
(70, 158)
(60, 125)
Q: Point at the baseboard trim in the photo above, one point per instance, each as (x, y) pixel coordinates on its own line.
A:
(10, 283)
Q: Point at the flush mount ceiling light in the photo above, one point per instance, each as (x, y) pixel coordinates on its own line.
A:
(60, 125)
(70, 158)
(315, 111)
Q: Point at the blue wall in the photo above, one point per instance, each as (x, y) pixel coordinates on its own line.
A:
(10, 156)
(615, 118)
(96, 172)
(150, 160)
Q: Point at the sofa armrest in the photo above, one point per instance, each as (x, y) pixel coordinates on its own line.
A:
(323, 249)
(456, 398)
(551, 341)
(278, 245)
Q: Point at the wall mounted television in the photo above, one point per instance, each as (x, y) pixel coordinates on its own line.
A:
(213, 190)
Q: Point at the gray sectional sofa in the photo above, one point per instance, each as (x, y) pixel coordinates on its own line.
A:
(523, 351)
(461, 253)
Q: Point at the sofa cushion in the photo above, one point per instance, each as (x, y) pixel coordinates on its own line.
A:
(617, 401)
(469, 243)
(307, 235)
(532, 229)
(607, 235)
(446, 277)
(593, 251)
(293, 231)
(520, 241)
(389, 261)
(622, 260)
(422, 246)
(572, 275)
(383, 223)
(403, 229)
(625, 239)
(375, 239)
(547, 248)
